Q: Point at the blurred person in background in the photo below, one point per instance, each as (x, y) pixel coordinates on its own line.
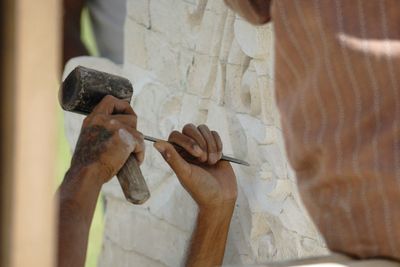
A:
(107, 18)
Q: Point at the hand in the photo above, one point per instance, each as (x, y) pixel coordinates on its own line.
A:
(210, 181)
(107, 138)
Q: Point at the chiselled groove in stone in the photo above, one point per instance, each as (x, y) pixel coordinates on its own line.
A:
(196, 16)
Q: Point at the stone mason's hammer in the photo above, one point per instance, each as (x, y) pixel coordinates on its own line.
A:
(80, 92)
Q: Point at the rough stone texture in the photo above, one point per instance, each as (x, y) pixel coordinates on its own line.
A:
(195, 61)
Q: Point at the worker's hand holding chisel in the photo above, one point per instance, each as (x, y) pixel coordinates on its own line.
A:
(209, 180)
(212, 184)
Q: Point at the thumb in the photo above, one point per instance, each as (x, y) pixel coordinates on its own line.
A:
(180, 166)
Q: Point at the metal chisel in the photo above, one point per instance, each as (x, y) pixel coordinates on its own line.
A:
(224, 157)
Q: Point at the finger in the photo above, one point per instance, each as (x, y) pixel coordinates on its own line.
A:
(218, 142)
(212, 156)
(175, 161)
(194, 133)
(112, 105)
(126, 119)
(186, 143)
(95, 119)
(137, 146)
(127, 139)
(140, 148)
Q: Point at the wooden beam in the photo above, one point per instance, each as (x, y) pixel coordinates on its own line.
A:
(29, 98)
(7, 126)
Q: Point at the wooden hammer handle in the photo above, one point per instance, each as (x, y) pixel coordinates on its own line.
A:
(132, 182)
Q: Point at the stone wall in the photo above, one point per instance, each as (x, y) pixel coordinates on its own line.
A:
(195, 61)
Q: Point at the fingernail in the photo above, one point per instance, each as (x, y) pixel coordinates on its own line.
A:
(197, 149)
(213, 157)
(159, 147)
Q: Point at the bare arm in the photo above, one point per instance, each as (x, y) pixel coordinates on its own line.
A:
(208, 242)
(255, 11)
(211, 183)
(105, 142)
(72, 44)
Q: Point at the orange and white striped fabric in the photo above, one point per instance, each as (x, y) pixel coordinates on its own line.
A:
(337, 78)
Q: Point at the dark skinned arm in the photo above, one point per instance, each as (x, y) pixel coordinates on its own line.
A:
(211, 183)
(256, 12)
(72, 44)
(105, 142)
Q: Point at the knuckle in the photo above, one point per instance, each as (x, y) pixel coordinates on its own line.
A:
(126, 105)
(109, 98)
(98, 119)
(139, 138)
(203, 158)
(133, 120)
(112, 122)
(192, 143)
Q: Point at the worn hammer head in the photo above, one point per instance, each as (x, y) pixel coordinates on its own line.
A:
(80, 92)
(84, 88)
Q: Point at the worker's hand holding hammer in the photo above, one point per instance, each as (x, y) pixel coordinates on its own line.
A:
(108, 137)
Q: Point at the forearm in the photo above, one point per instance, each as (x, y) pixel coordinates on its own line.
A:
(255, 11)
(209, 238)
(78, 196)
(72, 44)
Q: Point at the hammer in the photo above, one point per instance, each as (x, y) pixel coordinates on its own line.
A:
(80, 92)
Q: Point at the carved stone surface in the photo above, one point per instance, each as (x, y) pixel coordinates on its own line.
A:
(195, 61)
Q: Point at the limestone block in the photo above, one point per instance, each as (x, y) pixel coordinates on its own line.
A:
(142, 233)
(139, 11)
(261, 38)
(152, 50)
(195, 61)
(135, 49)
(115, 255)
(172, 18)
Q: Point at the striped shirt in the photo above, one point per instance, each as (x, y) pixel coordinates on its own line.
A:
(337, 81)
